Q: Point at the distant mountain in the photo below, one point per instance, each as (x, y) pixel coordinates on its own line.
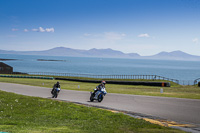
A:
(62, 51)
(110, 53)
(175, 55)
(106, 53)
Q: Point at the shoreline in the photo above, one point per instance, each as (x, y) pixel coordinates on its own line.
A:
(1, 59)
(50, 60)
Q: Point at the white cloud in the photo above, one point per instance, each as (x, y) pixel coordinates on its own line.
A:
(86, 34)
(114, 36)
(41, 29)
(195, 40)
(25, 30)
(144, 35)
(103, 40)
(34, 29)
(107, 36)
(15, 29)
(44, 30)
(123, 34)
(49, 29)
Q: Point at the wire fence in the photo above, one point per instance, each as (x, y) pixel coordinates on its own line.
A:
(144, 77)
(186, 82)
(140, 77)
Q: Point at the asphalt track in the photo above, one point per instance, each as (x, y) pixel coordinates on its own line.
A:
(173, 109)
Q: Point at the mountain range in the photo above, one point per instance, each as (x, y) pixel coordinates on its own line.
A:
(106, 53)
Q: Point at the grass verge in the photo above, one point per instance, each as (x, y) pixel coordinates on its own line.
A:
(23, 114)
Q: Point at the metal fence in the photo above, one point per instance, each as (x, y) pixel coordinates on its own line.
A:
(143, 77)
(186, 82)
(146, 77)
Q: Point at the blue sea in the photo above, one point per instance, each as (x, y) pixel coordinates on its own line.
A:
(181, 70)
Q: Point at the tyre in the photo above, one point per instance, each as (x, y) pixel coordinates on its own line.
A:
(56, 94)
(100, 98)
(92, 98)
(52, 93)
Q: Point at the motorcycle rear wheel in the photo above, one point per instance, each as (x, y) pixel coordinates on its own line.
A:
(55, 94)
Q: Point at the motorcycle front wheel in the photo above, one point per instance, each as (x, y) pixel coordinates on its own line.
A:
(92, 98)
(100, 98)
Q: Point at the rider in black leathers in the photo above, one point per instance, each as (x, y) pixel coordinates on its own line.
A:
(57, 85)
(100, 86)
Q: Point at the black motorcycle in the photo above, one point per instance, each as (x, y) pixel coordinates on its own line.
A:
(55, 92)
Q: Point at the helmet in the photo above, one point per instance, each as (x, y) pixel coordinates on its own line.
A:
(58, 83)
(103, 82)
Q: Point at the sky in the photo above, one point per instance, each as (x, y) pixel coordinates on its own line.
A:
(146, 27)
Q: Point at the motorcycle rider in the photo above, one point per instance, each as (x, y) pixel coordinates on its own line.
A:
(102, 85)
(99, 87)
(57, 85)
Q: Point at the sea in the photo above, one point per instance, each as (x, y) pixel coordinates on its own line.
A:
(187, 71)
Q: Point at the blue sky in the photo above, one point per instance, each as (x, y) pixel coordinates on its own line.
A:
(145, 27)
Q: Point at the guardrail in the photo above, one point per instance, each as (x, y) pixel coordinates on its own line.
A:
(161, 84)
(33, 77)
(186, 82)
(148, 77)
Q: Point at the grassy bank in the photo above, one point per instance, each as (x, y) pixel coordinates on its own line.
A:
(23, 114)
(178, 91)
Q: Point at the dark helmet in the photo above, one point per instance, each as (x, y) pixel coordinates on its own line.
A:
(103, 82)
(58, 83)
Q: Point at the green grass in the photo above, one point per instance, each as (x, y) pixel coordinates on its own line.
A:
(23, 114)
(178, 91)
(85, 78)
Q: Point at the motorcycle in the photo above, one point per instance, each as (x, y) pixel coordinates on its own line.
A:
(98, 95)
(55, 92)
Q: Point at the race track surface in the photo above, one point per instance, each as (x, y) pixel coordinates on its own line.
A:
(173, 109)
